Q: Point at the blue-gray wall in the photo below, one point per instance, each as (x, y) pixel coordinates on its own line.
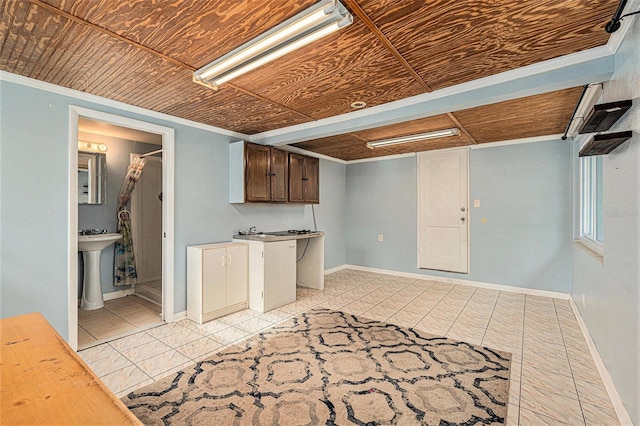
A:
(519, 236)
(34, 200)
(611, 290)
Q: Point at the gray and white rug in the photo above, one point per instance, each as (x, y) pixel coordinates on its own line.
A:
(333, 368)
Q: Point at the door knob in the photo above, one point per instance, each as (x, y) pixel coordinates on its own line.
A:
(462, 209)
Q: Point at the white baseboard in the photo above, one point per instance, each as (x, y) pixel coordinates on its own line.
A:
(118, 294)
(114, 295)
(336, 269)
(498, 287)
(616, 401)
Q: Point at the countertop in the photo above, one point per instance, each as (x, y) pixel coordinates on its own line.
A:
(277, 236)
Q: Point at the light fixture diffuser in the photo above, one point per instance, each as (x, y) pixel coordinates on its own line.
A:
(309, 25)
(414, 138)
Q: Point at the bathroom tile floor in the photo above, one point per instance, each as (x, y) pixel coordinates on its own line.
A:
(554, 379)
(119, 316)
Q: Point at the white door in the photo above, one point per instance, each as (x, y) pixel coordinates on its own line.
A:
(146, 207)
(443, 235)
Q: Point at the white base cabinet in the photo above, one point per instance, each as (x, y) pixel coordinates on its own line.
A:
(272, 274)
(216, 280)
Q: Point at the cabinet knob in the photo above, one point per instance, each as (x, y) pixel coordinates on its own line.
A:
(222, 260)
(229, 260)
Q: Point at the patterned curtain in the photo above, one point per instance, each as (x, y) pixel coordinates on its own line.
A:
(124, 260)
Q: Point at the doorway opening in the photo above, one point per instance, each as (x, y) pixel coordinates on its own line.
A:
(124, 305)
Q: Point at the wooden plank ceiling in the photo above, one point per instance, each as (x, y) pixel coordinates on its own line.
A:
(144, 53)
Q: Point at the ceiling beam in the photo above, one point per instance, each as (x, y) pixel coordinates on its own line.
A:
(572, 70)
(377, 32)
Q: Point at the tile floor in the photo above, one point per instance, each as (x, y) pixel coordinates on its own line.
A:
(119, 316)
(553, 377)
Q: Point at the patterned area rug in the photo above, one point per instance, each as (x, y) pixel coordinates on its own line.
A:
(327, 367)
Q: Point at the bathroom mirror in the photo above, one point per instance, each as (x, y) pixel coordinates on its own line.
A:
(92, 177)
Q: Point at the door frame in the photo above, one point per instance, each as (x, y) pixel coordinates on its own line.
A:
(468, 154)
(168, 220)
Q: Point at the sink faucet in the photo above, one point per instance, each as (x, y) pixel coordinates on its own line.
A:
(253, 230)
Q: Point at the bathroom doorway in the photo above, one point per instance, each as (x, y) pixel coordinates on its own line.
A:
(124, 312)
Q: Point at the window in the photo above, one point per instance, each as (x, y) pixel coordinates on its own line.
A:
(591, 209)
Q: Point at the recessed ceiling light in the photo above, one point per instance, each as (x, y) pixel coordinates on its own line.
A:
(358, 104)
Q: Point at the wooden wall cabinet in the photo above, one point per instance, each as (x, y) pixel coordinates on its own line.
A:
(264, 174)
(217, 280)
(258, 173)
(304, 179)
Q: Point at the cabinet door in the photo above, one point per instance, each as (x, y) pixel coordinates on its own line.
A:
(279, 175)
(311, 180)
(214, 279)
(257, 172)
(236, 274)
(296, 176)
(279, 273)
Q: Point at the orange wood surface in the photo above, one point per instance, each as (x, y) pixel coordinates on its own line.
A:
(43, 381)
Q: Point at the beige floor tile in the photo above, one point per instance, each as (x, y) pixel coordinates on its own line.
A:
(531, 418)
(144, 351)
(125, 378)
(84, 338)
(112, 330)
(165, 330)
(552, 405)
(97, 352)
(593, 394)
(109, 364)
(254, 325)
(180, 338)
(533, 363)
(140, 316)
(598, 416)
(229, 335)
(551, 383)
(200, 347)
(163, 363)
(128, 342)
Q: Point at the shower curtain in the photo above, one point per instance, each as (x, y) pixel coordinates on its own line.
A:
(124, 260)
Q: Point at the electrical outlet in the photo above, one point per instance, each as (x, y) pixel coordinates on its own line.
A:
(380, 237)
(476, 203)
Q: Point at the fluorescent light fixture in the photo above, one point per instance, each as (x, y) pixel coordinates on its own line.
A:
(591, 95)
(307, 26)
(414, 138)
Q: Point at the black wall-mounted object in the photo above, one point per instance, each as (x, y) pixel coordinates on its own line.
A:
(604, 144)
(602, 116)
(614, 25)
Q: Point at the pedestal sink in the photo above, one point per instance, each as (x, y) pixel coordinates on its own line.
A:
(91, 246)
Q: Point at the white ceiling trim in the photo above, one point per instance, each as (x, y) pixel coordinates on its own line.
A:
(76, 94)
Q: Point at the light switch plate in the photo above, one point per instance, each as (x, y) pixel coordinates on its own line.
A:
(476, 203)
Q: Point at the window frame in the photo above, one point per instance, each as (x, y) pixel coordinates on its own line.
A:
(591, 188)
